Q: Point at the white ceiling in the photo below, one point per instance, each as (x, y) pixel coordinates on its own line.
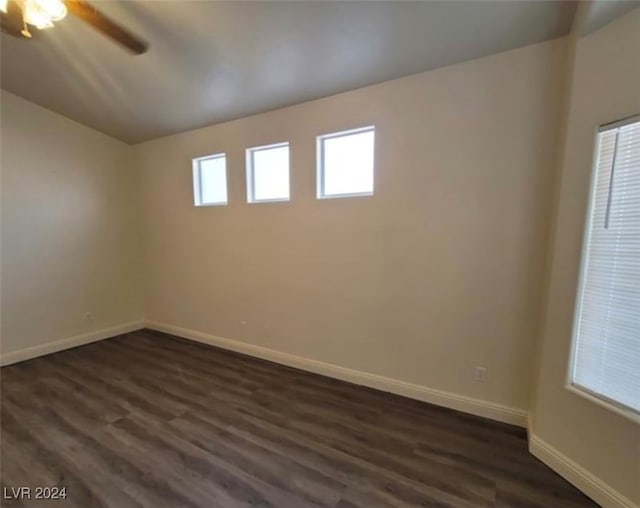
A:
(598, 13)
(214, 61)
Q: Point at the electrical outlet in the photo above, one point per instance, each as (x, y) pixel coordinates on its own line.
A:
(480, 374)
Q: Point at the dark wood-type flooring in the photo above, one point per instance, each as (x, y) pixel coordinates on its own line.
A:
(146, 419)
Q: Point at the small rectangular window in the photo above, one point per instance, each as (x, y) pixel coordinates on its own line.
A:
(345, 163)
(606, 342)
(210, 180)
(268, 173)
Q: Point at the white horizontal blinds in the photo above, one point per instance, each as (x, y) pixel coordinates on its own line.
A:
(607, 350)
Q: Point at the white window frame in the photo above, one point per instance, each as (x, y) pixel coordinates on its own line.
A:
(197, 180)
(251, 191)
(320, 192)
(572, 387)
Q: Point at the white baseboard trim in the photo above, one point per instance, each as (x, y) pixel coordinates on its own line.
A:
(77, 340)
(441, 398)
(574, 473)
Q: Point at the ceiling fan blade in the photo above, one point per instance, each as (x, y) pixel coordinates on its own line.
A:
(89, 14)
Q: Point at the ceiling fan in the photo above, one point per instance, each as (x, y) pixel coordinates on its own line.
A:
(18, 16)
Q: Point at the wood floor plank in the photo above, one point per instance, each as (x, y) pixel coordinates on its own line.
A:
(150, 420)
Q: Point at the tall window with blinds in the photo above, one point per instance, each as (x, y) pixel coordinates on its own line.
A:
(606, 348)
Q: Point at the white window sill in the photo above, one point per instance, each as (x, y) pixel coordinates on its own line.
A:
(352, 195)
(275, 200)
(611, 406)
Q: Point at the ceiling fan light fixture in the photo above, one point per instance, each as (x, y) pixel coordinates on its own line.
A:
(42, 13)
(33, 15)
(22, 15)
(55, 9)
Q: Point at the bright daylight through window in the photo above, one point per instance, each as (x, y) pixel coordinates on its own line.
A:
(345, 163)
(210, 180)
(268, 173)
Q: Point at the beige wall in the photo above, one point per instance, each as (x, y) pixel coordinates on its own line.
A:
(70, 236)
(605, 87)
(439, 272)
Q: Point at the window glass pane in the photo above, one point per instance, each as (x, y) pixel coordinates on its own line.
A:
(607, 330)
(271, 173)
(348, 164)
(212, 183)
